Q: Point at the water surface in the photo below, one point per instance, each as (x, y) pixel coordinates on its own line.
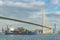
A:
(31, 37)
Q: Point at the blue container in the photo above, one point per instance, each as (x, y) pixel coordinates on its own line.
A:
(32, 33)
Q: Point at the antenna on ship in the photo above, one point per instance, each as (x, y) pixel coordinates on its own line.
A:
(2, 29)
(7, 27)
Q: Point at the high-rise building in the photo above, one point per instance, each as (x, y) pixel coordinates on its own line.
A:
(54, 29)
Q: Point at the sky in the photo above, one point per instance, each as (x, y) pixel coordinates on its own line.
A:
(31, 11)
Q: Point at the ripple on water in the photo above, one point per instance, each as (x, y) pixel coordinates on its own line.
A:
(31, 37)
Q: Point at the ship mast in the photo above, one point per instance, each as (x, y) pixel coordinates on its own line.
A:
(2, 29)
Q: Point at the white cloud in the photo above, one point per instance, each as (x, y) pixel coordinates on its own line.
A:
(37, 14)
(21, 4)
(55, 1)
(1, 3)
(57, 12)
(38, 3)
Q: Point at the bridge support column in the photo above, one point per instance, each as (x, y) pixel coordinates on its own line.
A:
(47, 30)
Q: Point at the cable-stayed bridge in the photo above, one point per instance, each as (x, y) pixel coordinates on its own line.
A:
(45, 27)
(22, 21)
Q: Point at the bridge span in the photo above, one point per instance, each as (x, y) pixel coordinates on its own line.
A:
(23, 21)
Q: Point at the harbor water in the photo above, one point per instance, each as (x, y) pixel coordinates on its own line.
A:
(31, 37)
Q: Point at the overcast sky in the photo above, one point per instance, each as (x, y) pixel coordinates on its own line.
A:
(30, 10)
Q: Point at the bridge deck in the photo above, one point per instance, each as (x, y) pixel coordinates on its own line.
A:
(22, 21)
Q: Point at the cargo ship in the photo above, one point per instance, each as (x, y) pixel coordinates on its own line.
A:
(19, 31)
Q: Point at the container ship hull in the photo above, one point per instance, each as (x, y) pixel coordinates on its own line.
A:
(21, 33)
(18, 31)
(15, 34)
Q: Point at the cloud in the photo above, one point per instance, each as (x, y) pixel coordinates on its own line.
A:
(38, 14)
(28, 7)
(32, 7)
(57, 12)
(55, 2)
(35, 15)
(1, 3)
(21, 4)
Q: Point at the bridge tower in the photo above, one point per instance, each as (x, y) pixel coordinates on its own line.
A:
(43, 18)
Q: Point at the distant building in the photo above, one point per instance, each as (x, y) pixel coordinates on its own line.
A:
(54, 29)
(39, 31)
(44, 31)
(47, 30)
(0, 30)
(58, 32)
